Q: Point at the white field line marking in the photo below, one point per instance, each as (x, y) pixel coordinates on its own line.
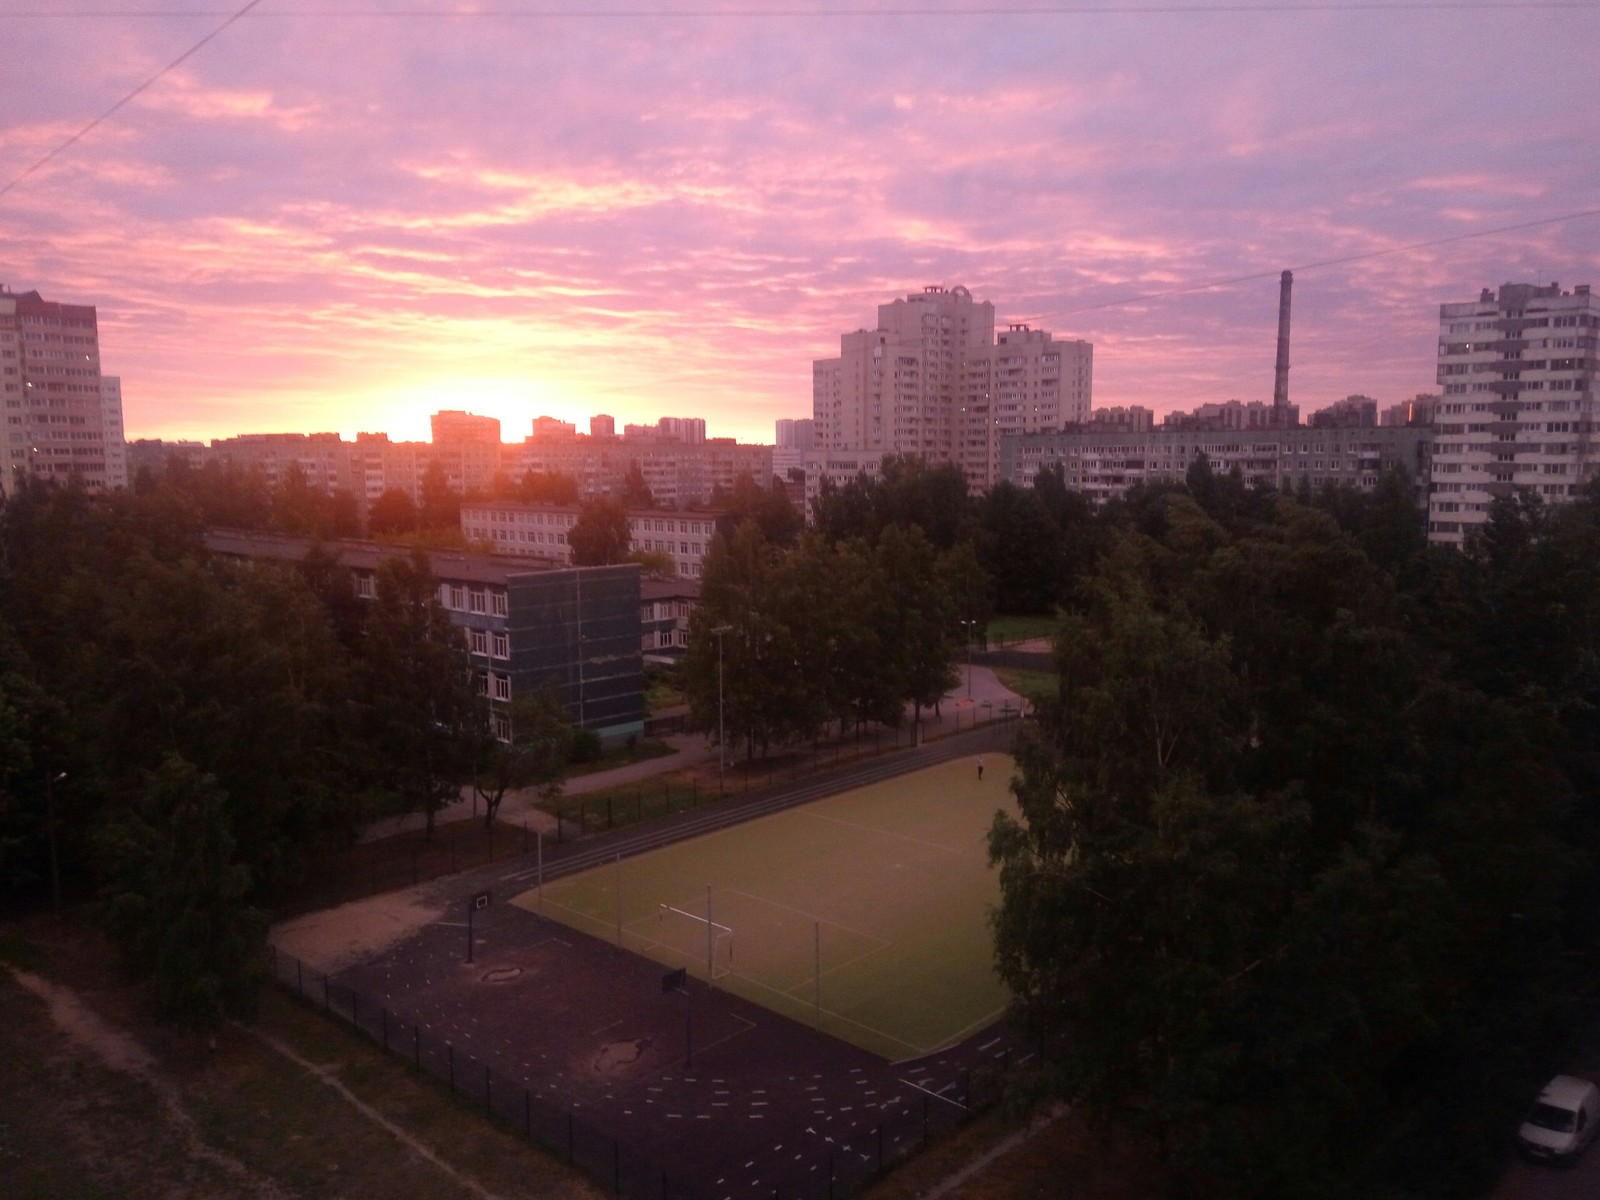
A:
(372, 1114)
(800, 912)
(935, 1095)
(917, 1051)
(889, 833)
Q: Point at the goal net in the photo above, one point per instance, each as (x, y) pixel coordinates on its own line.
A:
(697, 938)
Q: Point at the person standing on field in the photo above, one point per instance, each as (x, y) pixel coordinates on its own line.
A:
(980, 768)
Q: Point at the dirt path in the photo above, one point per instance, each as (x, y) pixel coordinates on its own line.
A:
(370, 1113)
(121, 1052)
(948, 1186)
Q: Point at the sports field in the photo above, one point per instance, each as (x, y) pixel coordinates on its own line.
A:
(887, 889)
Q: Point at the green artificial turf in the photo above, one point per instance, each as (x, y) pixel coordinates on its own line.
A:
(890, 883)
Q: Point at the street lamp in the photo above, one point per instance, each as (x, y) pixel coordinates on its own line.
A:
(970, 624)
(722, 739)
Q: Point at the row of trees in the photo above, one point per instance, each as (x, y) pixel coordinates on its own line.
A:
(786, 640)
(1303, 884)
(183, 735)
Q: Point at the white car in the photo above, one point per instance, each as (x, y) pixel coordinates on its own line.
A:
(1562, 1121)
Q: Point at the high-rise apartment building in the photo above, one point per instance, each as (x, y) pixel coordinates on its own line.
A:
(1517, 409)
(56, 412)
(932, 380)
(116, 437)
(452, 425)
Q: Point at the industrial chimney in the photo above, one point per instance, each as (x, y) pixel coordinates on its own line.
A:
(1280, 381)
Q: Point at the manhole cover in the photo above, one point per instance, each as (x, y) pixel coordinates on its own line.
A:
(501, 974)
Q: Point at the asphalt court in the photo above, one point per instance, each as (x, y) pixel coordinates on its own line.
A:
(886, 888)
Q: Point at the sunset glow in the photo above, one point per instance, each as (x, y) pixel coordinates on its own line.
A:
(348, 219)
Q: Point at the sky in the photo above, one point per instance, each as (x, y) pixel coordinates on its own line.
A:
(344, 215)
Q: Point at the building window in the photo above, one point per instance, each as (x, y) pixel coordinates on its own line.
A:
(502, 687)
(502, 727)
(480, 683)
(477, 601)
(478, 640)
(502, 645)
(458, 597)
(364, 587)
(497, 604)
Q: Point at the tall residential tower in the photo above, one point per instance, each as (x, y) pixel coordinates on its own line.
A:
(61, 422)
(932, 380)
(1517, 373)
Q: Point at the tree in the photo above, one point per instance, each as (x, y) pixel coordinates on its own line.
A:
(418, 690)
(600, 536)
(769, 507)
(177, 898)
(635, 492)
(392, 514)
(551, 488)
(1287, 890)
(440, 506)
(1020, 549)
(535, 756)
(925, 624)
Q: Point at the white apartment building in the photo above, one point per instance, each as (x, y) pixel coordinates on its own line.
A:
(540, 531)
(56, 409)
(116, 437)
(793, 440)
(933, 380)
(1517, 409)
(1106, 464)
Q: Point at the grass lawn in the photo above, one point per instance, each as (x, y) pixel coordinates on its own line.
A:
(1020, 627)
(1035, 685)
(240, 1118)
(888, 887)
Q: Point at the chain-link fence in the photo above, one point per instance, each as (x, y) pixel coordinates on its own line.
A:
(607, 1156)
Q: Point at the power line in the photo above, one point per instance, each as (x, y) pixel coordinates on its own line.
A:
(1068, 10)
(75, 138)
(1256, 276)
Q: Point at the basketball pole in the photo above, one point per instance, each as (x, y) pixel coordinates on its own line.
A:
(711, 934)
(816, 968)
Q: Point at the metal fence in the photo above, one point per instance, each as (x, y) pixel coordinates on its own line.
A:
(606, 1155)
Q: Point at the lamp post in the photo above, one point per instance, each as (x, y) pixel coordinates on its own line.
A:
(970, 625)
(722, 739)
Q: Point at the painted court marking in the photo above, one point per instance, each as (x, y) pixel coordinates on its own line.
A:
(888, 833)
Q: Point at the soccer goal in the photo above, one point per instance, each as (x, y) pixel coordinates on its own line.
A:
(698, 937)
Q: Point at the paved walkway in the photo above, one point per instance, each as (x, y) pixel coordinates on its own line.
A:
(977, 698)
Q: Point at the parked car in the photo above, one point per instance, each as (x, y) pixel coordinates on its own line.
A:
(1562, 1121)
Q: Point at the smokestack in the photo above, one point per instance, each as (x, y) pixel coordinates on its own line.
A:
(1280, 380)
